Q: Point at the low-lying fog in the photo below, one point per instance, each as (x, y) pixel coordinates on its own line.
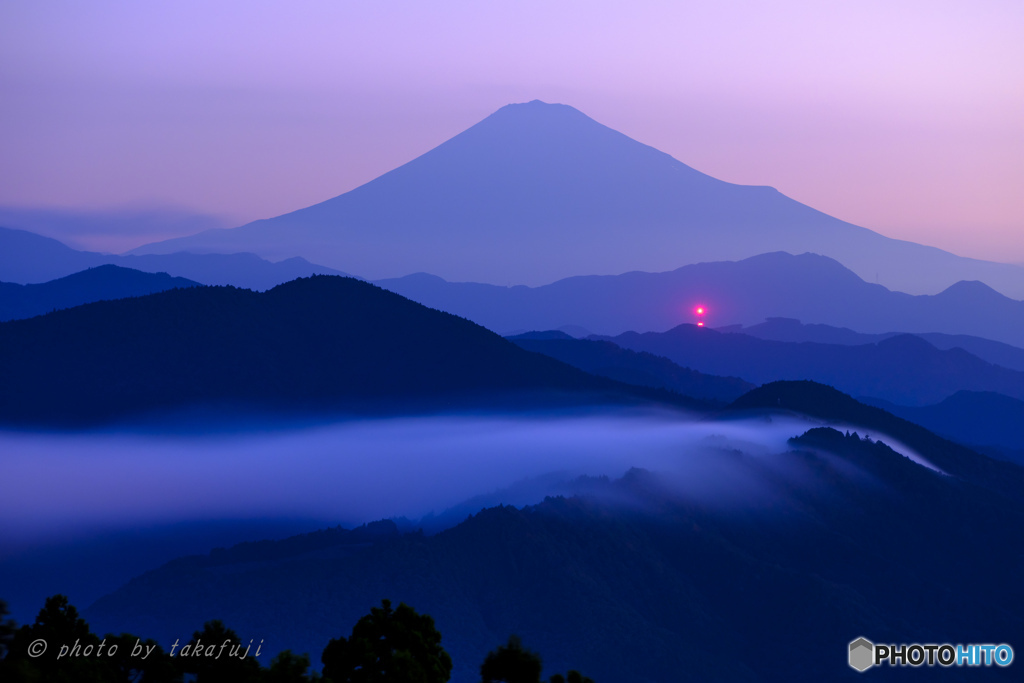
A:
(350, 472)
(80, 490)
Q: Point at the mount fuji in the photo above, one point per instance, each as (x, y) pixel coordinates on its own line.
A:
(537, 192)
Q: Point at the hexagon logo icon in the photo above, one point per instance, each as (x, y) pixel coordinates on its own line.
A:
(862, 654)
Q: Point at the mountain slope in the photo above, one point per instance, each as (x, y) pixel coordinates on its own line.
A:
(96, 284)
(976, 419)
(311, 344)
(608, 360)
(904, 369)
(537, 192)
(809, 287)
(791, 330)
(27, 258)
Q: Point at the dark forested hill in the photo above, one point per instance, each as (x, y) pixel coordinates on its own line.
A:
(315, 343)
(95, 284)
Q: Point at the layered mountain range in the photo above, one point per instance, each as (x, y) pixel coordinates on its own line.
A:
(792, 330)
(812, 288)
(965, 387)
(28, 258)
(950, 391)
(904, 369)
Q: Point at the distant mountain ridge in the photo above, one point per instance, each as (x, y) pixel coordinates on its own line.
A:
(792, 330)
(537, 192)
(809, 287)
(905, 369)
(109, 230)
(101, 283)
(28, 258)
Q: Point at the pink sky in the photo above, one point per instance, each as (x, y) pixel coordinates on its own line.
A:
(904, 117)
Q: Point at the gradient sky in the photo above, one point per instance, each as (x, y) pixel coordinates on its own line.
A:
(904, 117)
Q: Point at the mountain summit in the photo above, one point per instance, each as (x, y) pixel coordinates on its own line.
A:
(537, 192)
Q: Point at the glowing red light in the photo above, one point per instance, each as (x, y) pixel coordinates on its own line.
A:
(700, 315)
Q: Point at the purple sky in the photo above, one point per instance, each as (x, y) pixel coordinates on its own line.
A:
(905, 117)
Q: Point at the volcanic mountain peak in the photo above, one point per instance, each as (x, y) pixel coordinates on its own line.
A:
(537, 192)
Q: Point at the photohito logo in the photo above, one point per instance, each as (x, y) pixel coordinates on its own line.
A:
(864, 654)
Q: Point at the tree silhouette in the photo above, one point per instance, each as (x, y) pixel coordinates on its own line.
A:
(287, 667)
(135, 660)
(219, 662)
(571, 677)
(58, 624)
(388, 646)
(7, 628)
(511, 663)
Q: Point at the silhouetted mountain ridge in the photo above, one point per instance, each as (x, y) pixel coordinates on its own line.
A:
(321, 343)
(95, 284)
